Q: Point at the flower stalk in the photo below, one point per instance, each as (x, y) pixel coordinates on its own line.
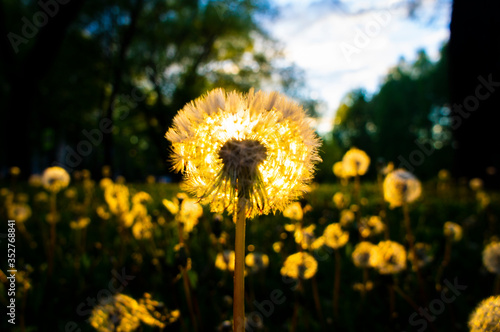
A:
(239, 267)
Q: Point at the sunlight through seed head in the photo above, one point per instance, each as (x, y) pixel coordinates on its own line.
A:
(259, 146)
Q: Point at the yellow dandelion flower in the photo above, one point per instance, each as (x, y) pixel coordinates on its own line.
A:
(355, 162)
(491, 257)
(256, 261)
(347, 217)
(388, 257)
(55, 178)
(294, 211)
(370, 226)
(256, 146)
(225, 260)
(335, 236)
(81, 223)
(299, 265)
(486, 316)
(19, 212)
(452, 231)
(362, 253)
(423, 253)
(401, 187)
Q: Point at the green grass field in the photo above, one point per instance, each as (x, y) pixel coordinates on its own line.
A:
(105, 257)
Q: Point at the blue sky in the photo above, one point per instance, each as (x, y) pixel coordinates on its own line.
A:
(340, 51)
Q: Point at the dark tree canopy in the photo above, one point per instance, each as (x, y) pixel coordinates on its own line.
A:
(99, 83)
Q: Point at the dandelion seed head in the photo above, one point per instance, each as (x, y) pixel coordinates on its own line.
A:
(370, 226)
(355, 162)
(335, 236)
(55, 178)
(258, 146)
(388, 257)
(486, 316)
(361, 254)
(299, 265)
(491, 257)
(400, 187)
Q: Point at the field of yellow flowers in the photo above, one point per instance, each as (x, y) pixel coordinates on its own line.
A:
(95, 254)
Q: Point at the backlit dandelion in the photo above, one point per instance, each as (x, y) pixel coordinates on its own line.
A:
(247, 154)
(335, 236)
(55, 178)
(256, 261)
(299, 265)
(389, 257)
(361, 254)
(486, 316)
(370, 226)
(294, 211)
(355, 162)
(257, 146)
(125, 314)
(491, 257)
(347, 217)
(401, 187)
(225, 260)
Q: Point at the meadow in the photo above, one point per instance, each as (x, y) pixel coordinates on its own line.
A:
(108, 255)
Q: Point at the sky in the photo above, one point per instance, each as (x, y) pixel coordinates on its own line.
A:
(343, 47)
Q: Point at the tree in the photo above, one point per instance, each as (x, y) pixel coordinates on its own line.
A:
(474, 53)
(130, 64)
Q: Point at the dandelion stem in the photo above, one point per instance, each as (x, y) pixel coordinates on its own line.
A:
(411, 244)
(444, 263)
(187, 291)
(336, 284)
(357, 187)
(365, 282)
(239, 267)
(411, 303)
(52, 245)
(317, 302)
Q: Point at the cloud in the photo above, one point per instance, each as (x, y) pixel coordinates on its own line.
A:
(317, 34)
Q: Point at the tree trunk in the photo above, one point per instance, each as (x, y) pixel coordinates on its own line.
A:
(474, 55)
